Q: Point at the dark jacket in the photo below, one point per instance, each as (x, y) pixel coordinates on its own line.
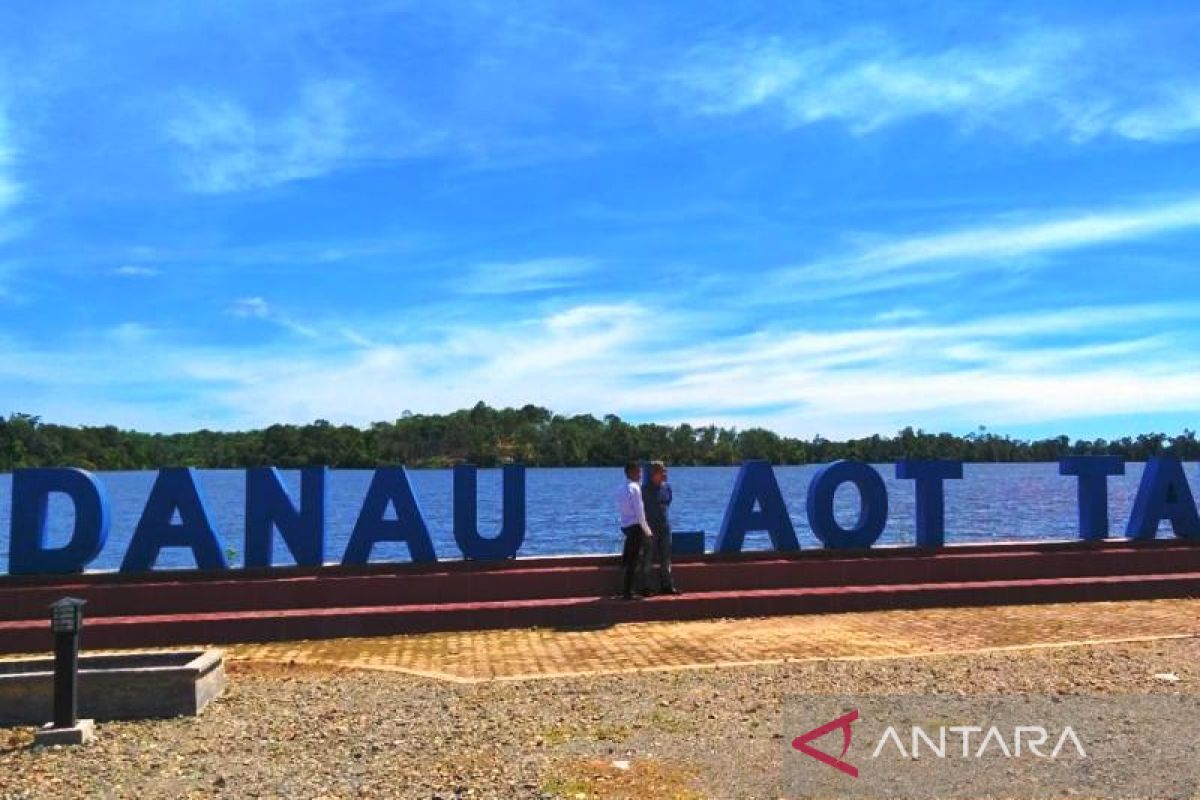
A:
(657, 504)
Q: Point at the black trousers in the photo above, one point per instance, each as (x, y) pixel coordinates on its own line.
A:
(631, 556)
(660, 551)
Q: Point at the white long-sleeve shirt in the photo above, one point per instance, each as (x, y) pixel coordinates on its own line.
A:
(630, 508)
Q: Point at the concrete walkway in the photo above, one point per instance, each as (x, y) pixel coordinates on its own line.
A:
(525, 654)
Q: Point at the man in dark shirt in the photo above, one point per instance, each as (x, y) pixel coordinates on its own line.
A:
(657, 498)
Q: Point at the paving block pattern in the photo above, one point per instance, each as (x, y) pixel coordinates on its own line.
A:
(523, 654)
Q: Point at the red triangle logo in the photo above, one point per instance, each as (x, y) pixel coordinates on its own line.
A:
(843, 723)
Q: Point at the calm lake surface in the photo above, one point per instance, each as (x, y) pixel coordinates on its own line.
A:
(572, 510)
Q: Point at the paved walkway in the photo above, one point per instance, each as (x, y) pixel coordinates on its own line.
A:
(526, 654)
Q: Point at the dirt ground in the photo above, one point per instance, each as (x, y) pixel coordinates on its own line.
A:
(310, 731)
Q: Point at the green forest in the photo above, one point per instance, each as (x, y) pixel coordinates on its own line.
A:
(530, 435)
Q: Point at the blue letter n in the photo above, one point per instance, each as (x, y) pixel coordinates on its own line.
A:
(268, 507)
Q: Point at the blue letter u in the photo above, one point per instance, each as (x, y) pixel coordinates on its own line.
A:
(466, 519)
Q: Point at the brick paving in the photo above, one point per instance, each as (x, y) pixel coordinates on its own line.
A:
(525, 654)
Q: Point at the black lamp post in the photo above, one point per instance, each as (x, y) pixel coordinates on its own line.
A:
(66, 618)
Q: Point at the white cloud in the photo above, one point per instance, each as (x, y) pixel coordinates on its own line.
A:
(934, 257)
(228, 148)
(10, 195)
(135, 271)
(131, 333)
(1175, 116)
(884, 341)
(901, 314)
(517, 277)
(1007, 369)
(557, 359)
(9, 189)
(1011, 369)
(250, 307)
(258, 308)
(1034, 83)
(630, 358)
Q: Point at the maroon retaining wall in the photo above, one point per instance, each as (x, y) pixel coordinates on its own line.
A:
(196, 607)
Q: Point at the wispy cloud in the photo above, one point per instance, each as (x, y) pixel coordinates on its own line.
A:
(933, 257)
(9, 189)
(901, 314)
(1174, 116)
(259, 308)
(136, 271)
(332, 334)
(10, 194)
(247, 307)
(130, 333)
(229, 148)
(1033, 83)
(1036, 367)
(1002, 370)
(884, 341)
(518, 277)
(563, 358)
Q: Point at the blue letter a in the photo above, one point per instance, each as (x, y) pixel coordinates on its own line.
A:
(756, 484)
(174, 490)
(466, 519)
(1163, 494)
(389, 484)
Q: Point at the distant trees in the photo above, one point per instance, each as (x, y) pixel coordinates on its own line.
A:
(531, 435)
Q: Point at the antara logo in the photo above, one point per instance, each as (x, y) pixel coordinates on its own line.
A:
(1024, 739)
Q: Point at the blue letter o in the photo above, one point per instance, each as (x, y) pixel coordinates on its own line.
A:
(873, 505)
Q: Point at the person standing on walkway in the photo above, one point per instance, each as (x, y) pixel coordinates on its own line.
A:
(636, 529)
(657, 498)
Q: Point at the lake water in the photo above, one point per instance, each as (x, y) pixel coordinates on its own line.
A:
(571, 510)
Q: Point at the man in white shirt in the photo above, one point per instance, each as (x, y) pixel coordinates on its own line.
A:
(632, 515)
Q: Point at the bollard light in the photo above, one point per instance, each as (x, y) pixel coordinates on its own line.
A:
(66, 618)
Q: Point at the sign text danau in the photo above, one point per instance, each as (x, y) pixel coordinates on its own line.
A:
(175, 515)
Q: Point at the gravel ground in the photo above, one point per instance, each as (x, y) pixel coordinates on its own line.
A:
(303, 732)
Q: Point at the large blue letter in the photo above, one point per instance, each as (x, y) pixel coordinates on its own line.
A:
(1093, 472)
(466, 522)
(268, 507)
(31, 488)
(872, 509)
(1163, 494)
(930, 495)
(389, 485)
(756, 484)
(175, 489)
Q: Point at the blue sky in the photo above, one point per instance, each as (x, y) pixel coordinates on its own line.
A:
(788, 214)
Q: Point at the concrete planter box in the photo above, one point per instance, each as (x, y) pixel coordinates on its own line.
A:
(175, 683)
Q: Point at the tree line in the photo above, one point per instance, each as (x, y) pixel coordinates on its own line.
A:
(530, 435)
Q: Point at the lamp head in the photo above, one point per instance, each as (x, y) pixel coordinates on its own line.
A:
(66, 615)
